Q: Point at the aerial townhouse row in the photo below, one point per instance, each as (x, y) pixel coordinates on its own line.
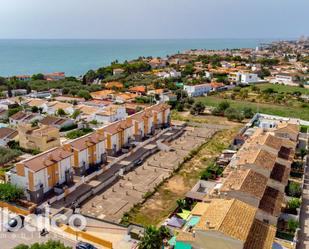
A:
(39, 174)
(241, 211)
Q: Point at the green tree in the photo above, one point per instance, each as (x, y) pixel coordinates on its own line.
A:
(84, 94)
(34, 109)
(248, 113)
(75, 114)
(38, 76)
(61, 112)
(90, 76)
(233, 114)
(153, 238)
(197, 108)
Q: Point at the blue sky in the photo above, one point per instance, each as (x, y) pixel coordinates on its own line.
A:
(153, 18)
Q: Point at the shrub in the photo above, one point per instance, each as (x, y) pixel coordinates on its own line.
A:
(10, 193)
(6, 155)
(292, 225)
(51, 244)
(294, 189)
(79, 133)
(294, 203)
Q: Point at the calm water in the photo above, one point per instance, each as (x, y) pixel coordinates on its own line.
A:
(75, 57)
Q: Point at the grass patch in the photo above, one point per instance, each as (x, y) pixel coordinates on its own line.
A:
(272, 109)
(283, 88)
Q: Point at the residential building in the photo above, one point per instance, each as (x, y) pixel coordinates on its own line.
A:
(285, 79)
(57, 122)
(142, 124)
(6, 135)
(111, 114)
(118, 71)
(104, 94)
(22, 117)
(229, 224)
(3, 114)
(39, 103)
(41, 174)
(118, 135)
(114, 85)
(139, 90)
(161, 115)
(54, 76)
(243, 78)
(16, 92)
(197, 90)
(52, 108)
(157, 63)
(38, 138)
(88, 151)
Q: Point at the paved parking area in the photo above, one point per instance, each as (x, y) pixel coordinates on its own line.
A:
(113, 202)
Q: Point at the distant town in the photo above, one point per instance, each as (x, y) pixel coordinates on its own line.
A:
(199, 148)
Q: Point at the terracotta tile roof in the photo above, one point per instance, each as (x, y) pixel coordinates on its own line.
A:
(159, 107)
(52, 120)
(258, 157)
(262, 138)
(141, 116)
(87, 110)
(247, 181)
(118, 126)
(200, 208)
(231, 217)
(272, 201)
(140, 89)
(84, 142)
(126, 96)
(59, 105)
(289, 128)
(101, 94)
(7, 132)
(280, 173)
(113, 84)
(261, 236)
(19, 115)
(45, 159)
(36, 102)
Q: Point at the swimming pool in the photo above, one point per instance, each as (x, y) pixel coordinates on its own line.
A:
(193, 221)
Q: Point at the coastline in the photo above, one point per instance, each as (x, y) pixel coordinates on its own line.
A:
(76, 56)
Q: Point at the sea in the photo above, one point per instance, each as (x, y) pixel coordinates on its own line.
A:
(76, 57)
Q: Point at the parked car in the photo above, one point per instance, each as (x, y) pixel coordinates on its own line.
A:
(84, 245)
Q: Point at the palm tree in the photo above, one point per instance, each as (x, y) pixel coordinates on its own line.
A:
(151, 239)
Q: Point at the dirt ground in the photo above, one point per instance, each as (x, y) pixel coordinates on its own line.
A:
(163, 202)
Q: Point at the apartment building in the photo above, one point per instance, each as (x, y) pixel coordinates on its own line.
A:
(118, 135)
(40, 174)
(88, 151)
(38, 138)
